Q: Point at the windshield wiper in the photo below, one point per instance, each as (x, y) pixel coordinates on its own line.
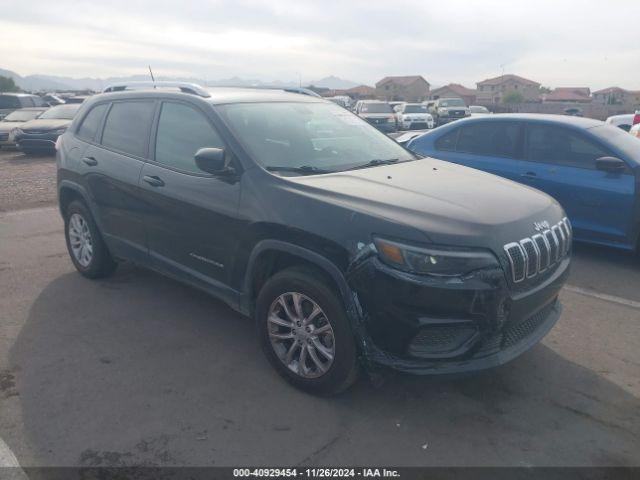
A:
(374, 163)
(303, 169)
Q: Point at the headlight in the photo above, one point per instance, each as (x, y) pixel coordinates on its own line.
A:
(15, 131)
(433, 261)
(429, 117)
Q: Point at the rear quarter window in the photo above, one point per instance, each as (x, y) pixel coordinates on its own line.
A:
(91, 122)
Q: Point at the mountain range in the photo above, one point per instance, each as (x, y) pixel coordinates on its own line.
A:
(48, 83)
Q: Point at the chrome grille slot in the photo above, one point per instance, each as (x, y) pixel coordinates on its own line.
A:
(533, 255)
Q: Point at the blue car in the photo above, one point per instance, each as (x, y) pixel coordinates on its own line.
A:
(591, 168)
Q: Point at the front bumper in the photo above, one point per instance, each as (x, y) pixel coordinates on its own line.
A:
(417, 124)
(386, 127)
(431, 325)
(45, 142)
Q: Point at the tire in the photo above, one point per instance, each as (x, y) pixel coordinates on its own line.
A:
(78, 221)
(340, 372)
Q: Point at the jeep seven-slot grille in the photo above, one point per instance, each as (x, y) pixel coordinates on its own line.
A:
(534, 255)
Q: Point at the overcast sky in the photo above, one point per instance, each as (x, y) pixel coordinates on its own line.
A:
(558, 43)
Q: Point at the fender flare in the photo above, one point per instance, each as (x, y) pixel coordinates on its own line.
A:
(281, 246)
(80, 190)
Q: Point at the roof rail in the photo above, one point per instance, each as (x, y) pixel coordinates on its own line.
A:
(184, 87)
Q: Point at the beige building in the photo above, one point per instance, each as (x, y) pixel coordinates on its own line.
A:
(493, 90)
(617, 96)
(412, 88)
(454, 90)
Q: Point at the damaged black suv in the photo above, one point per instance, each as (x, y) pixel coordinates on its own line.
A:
(348, 250)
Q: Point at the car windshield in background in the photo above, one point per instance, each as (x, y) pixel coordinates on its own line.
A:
(628, 144)
(306, 138)
(22, 115)
(415, 109)
(376, 108)
(9, 101)
(61, 112)
(454, 102)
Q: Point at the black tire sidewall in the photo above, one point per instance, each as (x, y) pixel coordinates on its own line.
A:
(343, 371)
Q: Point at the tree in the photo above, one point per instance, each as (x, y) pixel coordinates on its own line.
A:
(545, 90)
(513, 97)
(8, 85)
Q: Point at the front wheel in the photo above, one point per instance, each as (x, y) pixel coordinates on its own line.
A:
(305, 333)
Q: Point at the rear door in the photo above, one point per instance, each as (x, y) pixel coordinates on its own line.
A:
(111, 166)
(190, 216)
(562, 163)
(491, 146)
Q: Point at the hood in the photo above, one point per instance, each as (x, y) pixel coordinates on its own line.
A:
(8, 126)
(450, 204)
(41, 124)
(376, 115)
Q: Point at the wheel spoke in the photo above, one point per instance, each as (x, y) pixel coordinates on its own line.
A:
(279, 321)
(314, 313)
(316, 360)
(283, 303)
(302, 361)
(297, 305)
(281, 336)
(326, 353)
(288, 358)
(323, 329)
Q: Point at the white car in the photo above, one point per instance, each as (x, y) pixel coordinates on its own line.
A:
(475, 110)
(624, 122)
(413, 115)
(635, 131)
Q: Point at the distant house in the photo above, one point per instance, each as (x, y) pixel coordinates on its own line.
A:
(454, 90)
(568, 95)
(493, 90)
(361, 92)
(411, 88)
(617, 96)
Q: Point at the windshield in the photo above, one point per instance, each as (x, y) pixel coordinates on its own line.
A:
(376, 108)
(22, 115)
(316, 136)
(415, 109)
(452, 102)
(61, 112)
(623, 141)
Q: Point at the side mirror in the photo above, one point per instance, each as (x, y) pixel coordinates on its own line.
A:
(610, 165)
(212, 160)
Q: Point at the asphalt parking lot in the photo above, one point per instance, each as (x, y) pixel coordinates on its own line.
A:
(141, 370)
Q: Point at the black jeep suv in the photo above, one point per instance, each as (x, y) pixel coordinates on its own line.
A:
(348, 250)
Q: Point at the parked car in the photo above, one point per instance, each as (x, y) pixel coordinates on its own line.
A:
(40, 135)
(53, 100)
(591, 168)
(76, 99)
(624, 121)
(573, 112)
(15, 101)
(479, 110)
(14, 120)
(413, 115)
(347, 249)
(377, 113)
(342, 100)
(445, 110)
(635, 130)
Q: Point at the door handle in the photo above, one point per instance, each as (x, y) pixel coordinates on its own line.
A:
(153, 181)
(92, 162)
(529, 175)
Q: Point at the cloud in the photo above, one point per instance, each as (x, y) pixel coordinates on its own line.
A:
(554, 42)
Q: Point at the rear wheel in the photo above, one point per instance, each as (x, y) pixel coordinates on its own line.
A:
(86, 248)
(305, 333)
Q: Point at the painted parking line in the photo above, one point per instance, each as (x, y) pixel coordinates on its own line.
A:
(9, 466)
(602, 296)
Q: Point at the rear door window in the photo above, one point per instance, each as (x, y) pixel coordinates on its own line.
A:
(91, 123)
(127, 127)
(448, 141)
(496, 139)
(182, 131)
(560, 146)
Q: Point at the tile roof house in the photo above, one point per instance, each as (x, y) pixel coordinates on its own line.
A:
(361, 92)
(493, 90)
(454, 90)
(617, 96)
(410, 88)
(568, 94)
